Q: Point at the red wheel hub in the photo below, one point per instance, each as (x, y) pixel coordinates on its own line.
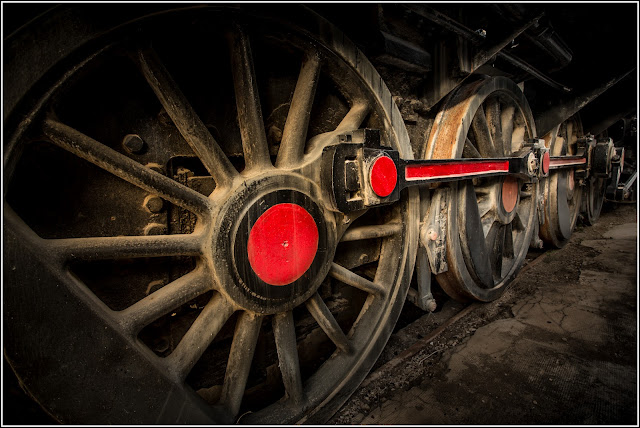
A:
(509, 193)
(282, 244)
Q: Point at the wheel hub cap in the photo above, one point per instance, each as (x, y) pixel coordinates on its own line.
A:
(282, 244)
(272, 243)
(509, 194)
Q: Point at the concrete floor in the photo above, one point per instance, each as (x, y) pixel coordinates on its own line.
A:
(567, 355)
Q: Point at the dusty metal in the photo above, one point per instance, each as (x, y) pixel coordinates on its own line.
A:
(403, 54)
(134, 144)
(210, 306)
(142, 261)
(475, 38)
(561, 190)
(485, 54)
(566, 107)
(487, 244)
(528, 68)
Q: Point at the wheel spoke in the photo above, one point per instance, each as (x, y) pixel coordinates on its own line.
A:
(571, 139)
(284, 333)
(345, 275)
(325, 319)
(495, 124)
(200, 335)
(469, 151)
(166, 299)
(186, 119)
(558, 146)
(517, 223)
(487, 222)
(124, 247)
(485, 187)
(123, 167)
(239, 363)
(485, 204)
(371, 232)
(507, 116)
(495, 244)
(480, 129)
(508, 242)
(352, 120)
(252, 132)
(470, 226)
(294, 135)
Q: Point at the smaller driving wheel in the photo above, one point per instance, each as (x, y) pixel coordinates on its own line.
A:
(489, 221)
(561, 191)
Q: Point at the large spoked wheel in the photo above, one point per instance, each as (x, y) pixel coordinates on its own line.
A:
(169, 256)
(562, 192)
(489, 221)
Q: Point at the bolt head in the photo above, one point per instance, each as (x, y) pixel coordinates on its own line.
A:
(155, 229)
(432, 234)
(153, 204)
(155, 167)
(134, 144)
(531, 163)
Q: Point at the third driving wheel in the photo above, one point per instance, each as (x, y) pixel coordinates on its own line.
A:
(561, 190)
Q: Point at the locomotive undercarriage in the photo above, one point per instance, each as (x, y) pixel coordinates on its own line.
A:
(158, 182)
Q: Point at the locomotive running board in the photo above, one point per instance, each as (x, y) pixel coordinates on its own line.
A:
(358, 173)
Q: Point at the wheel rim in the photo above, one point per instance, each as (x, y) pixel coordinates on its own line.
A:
(230, 294)
(596, 188)
(562, 194)
(486, 246)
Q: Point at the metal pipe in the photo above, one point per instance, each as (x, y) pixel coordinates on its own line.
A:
(475, 38)
(533, 71)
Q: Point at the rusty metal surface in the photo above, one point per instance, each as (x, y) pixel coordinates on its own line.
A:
(482, 233)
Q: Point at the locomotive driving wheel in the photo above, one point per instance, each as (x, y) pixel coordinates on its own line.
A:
(169, 254)
(561, 190)
(488, 221)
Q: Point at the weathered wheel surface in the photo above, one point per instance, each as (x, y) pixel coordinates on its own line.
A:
(205, 279)
(561, 191)
(594, 199)
(489, 221)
